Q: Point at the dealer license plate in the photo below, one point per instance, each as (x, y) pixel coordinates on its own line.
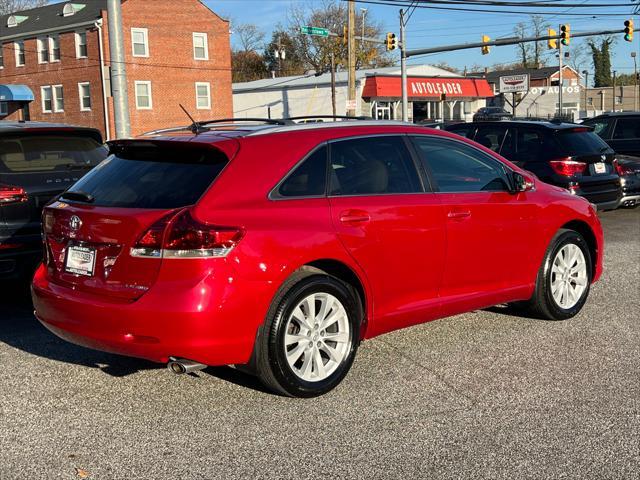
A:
(600, 167)
(80, 260)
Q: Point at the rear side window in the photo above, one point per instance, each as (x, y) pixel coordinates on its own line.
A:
(372, 165)
(46, 153)
(309, 178)
(535, 145)
(457, 167)
(627, 128)
(599, 126)
(491, 136)
(580, 142)
(463, 130)
(152, 176)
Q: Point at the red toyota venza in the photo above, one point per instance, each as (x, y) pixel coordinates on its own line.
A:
(279, 247)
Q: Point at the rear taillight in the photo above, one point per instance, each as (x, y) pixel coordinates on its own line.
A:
(622, 170)
(567, 167)
(10, 194)
(182, 236)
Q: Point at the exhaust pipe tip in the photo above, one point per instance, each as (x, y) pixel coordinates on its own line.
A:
(180, 366)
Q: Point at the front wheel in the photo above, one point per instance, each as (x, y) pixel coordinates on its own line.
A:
(310, 336)
(563, 282)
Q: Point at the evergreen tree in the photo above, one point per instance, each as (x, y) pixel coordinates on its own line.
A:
(601, 62)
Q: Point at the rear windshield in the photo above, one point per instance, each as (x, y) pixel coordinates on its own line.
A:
(46, 153)
(154, 176)
(581, 142)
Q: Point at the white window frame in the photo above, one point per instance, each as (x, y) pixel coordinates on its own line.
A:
(145, 35)
(55, 98)
(40, 43)
(19, 45)
(1, 56)
(78, 44)
(148, 84)
(50, 40)
(206, 45)
(208, 85)
(80, 96)
(42, 90)
(4, 109)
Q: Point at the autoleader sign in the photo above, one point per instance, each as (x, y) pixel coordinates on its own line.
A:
(514, 83)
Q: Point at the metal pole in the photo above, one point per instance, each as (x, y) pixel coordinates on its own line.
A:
(118, 71)
(613, 93)
(586, 87)
(105, 102)
(351, 47)
(403, 68)
(333, 84)
(560, 105)
(635, 82)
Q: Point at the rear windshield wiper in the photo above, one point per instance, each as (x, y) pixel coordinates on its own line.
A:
(78, 196)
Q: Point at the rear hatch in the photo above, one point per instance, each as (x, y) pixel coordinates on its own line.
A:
(593, 158)
(35, 166)
(125, 202)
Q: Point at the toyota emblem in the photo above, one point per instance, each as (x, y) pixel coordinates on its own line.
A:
(75, 223)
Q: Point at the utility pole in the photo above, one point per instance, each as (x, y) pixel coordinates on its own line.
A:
(586, 87)
(613, 92)
(333, 84)
(560, 59)
(351, 54)
(118, 71)
(403, 68)
(635, 81)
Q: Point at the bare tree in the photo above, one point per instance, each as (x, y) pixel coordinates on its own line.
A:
(524, 49)
(12, 6)
(578, 56)
(251, 38)
(531, 53)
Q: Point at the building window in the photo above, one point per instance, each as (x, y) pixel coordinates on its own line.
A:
(140, 42)
(58, 98)
(143, 95)
(54, 48)
(19, 46)
(4, 109)
(1, 56)
(81, 45)
(47, 99)
(200, 46)
(84, 92)
(618, 100)
(590, 101)
(43, 50)
(203, 96)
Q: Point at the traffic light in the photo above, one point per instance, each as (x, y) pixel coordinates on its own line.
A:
(628, 30)
(486, 49)
(552, 43)
(391, 43)
(565, 33)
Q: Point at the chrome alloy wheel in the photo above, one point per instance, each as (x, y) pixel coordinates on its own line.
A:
(318, 337)
(568, 276)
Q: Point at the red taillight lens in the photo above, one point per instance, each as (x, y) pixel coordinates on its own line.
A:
(567, 167)
(181, 236)
(623, 169)
(188, 238)
(9, 194)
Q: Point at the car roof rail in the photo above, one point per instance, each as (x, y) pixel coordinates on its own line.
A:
(333, 117)
(201, 126)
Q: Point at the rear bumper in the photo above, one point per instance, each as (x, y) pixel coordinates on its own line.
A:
(19, 260)
(630, 190)
(203, 322)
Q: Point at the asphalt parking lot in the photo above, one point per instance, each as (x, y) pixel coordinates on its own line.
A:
(482, 395)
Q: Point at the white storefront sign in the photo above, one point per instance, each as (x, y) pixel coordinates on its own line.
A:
(514, 83)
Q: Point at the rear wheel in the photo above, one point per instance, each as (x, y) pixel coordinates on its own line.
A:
(310, 336)
(563, 282)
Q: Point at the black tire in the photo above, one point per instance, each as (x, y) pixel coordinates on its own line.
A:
(272, 366)
(542, 304)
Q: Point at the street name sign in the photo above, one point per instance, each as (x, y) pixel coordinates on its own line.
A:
(320, 32)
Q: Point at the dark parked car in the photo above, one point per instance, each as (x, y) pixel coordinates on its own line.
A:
(37, 162)
(620, 130)
(629, 170)
(491, 113)
(563, 154)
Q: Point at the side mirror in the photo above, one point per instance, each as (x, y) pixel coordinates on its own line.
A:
(522, 183)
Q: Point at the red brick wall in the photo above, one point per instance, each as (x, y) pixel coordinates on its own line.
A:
(171, 67)
(68, 72)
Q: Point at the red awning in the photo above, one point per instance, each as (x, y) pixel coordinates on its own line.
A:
(427, 87)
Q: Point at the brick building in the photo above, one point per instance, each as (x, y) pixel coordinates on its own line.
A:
(54, 64)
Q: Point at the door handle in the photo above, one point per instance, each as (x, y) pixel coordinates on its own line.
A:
(459, 214)
(354, 217)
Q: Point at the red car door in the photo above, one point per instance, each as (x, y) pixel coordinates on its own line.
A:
(492, 244)
(390, 226)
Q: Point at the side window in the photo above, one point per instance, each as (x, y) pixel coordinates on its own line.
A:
(309, 178)
(508, 149)
(627, 128)
(372, 165)
(491, 136)
(533, 145)
(463, 130)
(457, 167)
(600, 127)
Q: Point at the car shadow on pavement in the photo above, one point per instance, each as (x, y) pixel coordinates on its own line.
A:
(20, 329)
(238, 377)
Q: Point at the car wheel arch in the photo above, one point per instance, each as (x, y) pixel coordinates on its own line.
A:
(587, 233)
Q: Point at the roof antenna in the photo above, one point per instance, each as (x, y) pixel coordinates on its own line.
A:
(195, 127)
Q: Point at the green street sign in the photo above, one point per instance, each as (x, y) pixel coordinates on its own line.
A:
(321, 32)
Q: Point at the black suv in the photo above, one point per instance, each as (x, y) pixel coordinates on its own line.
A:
(564, 154)
(37, 162)
(620, 130)
(491, 113)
